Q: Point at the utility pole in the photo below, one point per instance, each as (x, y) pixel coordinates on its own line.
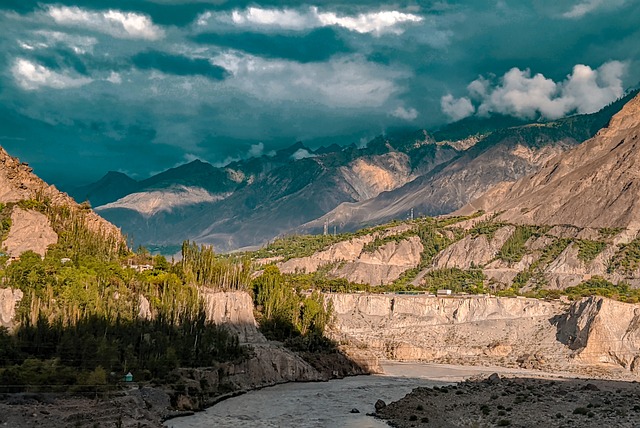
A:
(326, 227)
(411, 215)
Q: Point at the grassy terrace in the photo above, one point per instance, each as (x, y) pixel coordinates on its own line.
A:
(438, 233)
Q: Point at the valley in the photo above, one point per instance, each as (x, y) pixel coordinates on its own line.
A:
(541, 273)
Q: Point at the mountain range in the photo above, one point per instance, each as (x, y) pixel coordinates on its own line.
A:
(300, 190)
(571, 227)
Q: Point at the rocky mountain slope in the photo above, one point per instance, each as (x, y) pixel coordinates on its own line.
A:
(504, 155)
(594, 185)
(32, 212)
(263, 197)
(592, 336)
(570, 229)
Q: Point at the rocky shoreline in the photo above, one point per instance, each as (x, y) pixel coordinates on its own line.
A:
(518, 402)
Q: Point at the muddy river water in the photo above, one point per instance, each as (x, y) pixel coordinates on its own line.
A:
(325, 404)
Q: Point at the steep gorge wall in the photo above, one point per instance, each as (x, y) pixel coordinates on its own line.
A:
(593, 336)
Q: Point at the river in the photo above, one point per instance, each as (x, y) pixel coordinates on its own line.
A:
(324, 404)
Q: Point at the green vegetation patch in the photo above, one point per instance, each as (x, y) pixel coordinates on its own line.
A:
(513, 249)
(5, 220)
(381, 241)
(535, 271)
(609, 232)
(627, 258)
(456, 280)
(598, 286)
(290, 315)
(588, 250)
(487, 228)
(201, 266)
(295, 246)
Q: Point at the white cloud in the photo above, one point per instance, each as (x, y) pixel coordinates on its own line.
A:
(286, 18)
(406, 114)
(520, 94)
(302, 154)
(587, 6)
(256, 150)
(456, 108)
(124, 25)
(341, 82)
(31, 76)
(114, 78)
(377, 23)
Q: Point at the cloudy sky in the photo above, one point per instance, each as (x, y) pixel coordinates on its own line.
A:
(141, 86)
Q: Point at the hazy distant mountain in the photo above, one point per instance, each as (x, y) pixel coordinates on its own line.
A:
(113, 186)
(259, 198)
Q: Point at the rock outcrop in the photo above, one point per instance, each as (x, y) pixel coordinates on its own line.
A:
(473, 251)
(8, 300)
(591, 336)
(383, 265)
(234, 310)
(603, 331)
(30, 230)
(342, 251)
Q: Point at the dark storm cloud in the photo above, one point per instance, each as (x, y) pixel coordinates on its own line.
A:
(318, 45)
(61, 59)
(178, 65)
(140, 86)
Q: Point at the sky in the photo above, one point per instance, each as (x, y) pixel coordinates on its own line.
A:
(142, 86)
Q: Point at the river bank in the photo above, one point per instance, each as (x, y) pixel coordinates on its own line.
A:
(518, 402)
(193, 390)
(330, 404)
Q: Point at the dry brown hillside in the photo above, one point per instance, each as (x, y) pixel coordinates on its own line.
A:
(29, 207)
(596, 184)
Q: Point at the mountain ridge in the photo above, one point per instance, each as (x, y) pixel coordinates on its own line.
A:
(594, 185)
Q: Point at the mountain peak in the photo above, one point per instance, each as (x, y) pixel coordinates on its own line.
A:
(625, 119)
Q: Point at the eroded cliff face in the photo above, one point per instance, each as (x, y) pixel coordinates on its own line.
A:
(603, 331)
(593, 336)
(234, 310)
(354, 262)
(8, 300)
